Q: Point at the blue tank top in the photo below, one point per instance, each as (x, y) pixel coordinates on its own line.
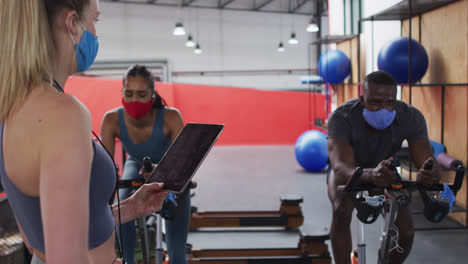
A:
(156, 145)
(101, 220)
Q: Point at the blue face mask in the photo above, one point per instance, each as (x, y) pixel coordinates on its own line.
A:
(86, 50)
(379, 119)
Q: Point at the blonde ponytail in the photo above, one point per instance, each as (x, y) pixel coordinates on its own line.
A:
(26, 51)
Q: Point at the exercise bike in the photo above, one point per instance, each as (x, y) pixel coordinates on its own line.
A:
(141, 221)
(153, 222)
(370, 207)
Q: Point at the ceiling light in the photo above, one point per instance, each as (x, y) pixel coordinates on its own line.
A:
(190, 43)
(179, 29)
(280, 47)
(312, 27)
(293, 40)
(198, 50)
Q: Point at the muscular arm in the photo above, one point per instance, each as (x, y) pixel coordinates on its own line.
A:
(420, 148)
(340, 151)
(107, 132)
(65, 162)
(420, 151)
(341, 157)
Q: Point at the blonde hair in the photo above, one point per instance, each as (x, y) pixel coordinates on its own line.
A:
(27, 52)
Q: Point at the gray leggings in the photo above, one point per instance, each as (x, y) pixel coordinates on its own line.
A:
(36, 260)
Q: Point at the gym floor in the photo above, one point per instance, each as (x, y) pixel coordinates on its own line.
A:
(254, 178)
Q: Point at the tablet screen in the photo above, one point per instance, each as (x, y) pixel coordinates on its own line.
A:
(185, 155)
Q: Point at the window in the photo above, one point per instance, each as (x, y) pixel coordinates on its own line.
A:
(352, 14)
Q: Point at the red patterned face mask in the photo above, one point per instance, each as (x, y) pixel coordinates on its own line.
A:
(136, 109)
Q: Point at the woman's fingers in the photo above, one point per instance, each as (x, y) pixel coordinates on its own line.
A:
(156, 186)
(117, 261)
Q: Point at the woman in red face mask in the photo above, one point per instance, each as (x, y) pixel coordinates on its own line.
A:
(146, 126)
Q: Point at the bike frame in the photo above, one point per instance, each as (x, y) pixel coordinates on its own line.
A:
(154, 220)
(144, 240)
(384, 253)
(395, 196)
(361, 243)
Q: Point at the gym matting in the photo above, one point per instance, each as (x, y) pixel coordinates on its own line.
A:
(253, 178)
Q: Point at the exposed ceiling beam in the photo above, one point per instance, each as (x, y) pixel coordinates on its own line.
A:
(223, 5)
(193, 4)
(298, 6)
(260, 6)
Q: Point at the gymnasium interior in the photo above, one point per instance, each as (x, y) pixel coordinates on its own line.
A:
(272, 72)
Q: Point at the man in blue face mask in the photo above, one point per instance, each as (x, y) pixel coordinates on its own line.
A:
(366, 132)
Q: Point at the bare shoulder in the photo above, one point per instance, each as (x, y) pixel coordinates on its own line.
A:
(111, 117)
(60, 110)
(173, 121)
(110, 126)
(172, 113)
(56, 120)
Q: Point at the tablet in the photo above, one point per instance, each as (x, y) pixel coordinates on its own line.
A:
(185, 155)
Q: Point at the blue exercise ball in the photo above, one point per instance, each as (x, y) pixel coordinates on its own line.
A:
(312, 150)
(334, 66)
(394, 59)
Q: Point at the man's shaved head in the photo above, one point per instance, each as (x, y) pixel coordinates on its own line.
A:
(378, 78)
(379, 91)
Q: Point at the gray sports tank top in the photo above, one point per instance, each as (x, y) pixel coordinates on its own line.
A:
(101, 221)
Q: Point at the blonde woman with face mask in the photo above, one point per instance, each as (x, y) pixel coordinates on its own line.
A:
(57, 178)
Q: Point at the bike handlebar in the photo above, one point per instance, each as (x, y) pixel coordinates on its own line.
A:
(147, 165)
(137, 183)
(352, 186)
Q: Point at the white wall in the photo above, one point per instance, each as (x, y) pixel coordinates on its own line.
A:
(373, 37)
(383, 32)
(230, 40)
(336, 17)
